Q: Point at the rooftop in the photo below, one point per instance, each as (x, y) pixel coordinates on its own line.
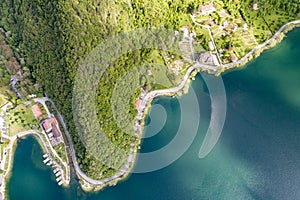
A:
(55, 129)
(255, 6)
(234, 58)
(208, 8)
(138, 103)
(51, 125)
(47, 125)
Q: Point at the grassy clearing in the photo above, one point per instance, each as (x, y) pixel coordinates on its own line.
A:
(243, 41)
(61, 151)
(239, 27)
(3, 100)
(21, 119)
(7, 93)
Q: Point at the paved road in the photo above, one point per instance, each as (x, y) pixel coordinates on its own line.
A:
(131, 157)
(11, 143)
(47, 144)
(244, 59)
(3, 130)
(13, 82)
(47, 147)
(72, 149)
(210, 35)
(147, 99)
(3, 124)
(155, 93)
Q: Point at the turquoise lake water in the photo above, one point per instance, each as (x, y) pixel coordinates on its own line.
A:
(257, 156)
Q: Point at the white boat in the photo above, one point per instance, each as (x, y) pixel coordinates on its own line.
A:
(60, 183)
(58, 173)
(46, 160)
(58, 179)
(49, 163)
(45, 155)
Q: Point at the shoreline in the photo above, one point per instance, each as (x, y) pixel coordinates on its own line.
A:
(281, 34)
(122, 175)
(11, 150)
(270, 43)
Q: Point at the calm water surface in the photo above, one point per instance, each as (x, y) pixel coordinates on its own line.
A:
(257, 156)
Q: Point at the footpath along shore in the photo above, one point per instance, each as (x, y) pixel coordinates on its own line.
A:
(90, 183)
(47, 148)
(142, 111)
(273, 41)
(167, 92)
(146, 102)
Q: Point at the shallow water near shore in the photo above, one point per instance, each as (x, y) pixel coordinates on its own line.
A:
(256, 157)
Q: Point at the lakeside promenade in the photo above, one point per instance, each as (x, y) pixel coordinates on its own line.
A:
(141, 113)
(132, 156)
(260, 46)
(151, 95)
(46, 146)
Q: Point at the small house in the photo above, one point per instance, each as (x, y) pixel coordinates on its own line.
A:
(255, 6)
(234, 58)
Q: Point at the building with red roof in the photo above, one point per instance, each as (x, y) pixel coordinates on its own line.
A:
(47, 126)
(234, 58)
(138, 103)
(51, 128)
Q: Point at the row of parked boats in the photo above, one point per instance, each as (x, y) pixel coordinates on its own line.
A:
(56, 170)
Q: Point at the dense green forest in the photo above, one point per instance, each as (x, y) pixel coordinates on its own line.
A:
(54, 36)
(4, 75)
(14, 65)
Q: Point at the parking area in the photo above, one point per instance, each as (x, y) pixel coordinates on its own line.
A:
(3, 125)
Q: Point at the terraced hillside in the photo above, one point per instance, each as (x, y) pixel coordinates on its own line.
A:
(54, 36)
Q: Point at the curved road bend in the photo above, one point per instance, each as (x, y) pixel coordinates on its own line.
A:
(131, 156)
(148, 98)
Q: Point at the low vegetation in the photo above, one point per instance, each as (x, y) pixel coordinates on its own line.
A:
(61, 151)
(4, 76)
(52, 37)
(239, 27)
(21, 119)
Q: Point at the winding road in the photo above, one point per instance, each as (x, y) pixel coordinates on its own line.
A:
(9, 149)
(260, 46)
(210, 35)
(148, 98)
(131, 157)
(13, 79)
